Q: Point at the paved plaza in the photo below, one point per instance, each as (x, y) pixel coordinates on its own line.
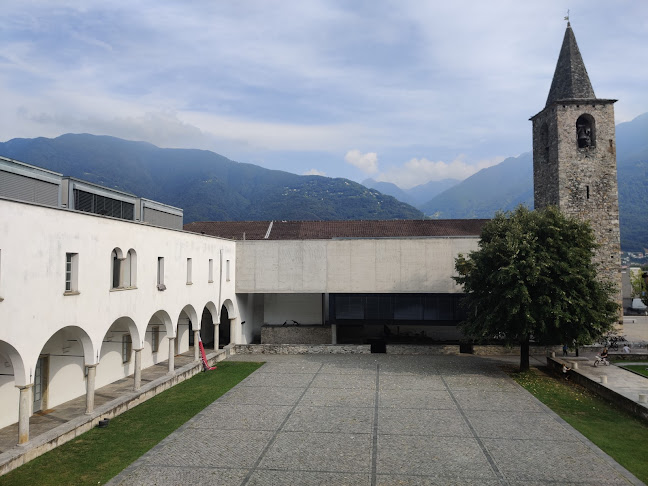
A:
(375, 420)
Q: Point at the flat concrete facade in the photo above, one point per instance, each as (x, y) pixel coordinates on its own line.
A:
(390, 265)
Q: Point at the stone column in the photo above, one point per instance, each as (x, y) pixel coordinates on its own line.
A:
(90, 388)
(24, 408)
(171, 355)
(196, 345)
(216, 331)
(137, 375)
(333, 333)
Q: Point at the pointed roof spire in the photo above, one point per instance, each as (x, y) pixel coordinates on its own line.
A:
(570, 79)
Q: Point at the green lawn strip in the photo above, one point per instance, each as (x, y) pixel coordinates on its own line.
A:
(619, 434)
(640, 369)
(100, 454)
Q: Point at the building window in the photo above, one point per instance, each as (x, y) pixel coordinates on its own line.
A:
(115, 265)
(586, 131)
(211, 270)
(160, 274)
(71, 273)
(227, 270)
(155, 339)
(189, 270)
(130, 269)
(127, 348)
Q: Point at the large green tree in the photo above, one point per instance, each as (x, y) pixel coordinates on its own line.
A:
(533, 279)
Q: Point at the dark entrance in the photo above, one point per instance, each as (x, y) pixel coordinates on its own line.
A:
(224, 336)
(380, 319)
(207, 329)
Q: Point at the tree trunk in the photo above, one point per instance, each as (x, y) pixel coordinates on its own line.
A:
(524, 354)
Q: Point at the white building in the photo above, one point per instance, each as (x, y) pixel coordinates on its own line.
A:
(93, 288)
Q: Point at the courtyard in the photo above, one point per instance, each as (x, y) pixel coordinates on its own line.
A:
(376, 420)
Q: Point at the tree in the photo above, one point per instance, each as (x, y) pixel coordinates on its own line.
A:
(533, 278)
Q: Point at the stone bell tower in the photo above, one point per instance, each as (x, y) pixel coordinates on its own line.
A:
(574, 156)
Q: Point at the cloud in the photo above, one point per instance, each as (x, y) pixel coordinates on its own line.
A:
(315, 172)
(420, 171)
(367, 163)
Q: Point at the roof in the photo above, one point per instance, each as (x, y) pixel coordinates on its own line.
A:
(326, 230)
(570, 80)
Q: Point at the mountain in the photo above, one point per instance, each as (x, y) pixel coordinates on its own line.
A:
(206, 185)
(504, 186)
(500, 187)
(416, 195)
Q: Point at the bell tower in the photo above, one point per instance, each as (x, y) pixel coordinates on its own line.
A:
(574, 156)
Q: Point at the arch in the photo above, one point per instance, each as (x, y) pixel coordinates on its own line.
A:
(184, 329)
(17, 362)
(231, 308)
(586, 131)
(164, 319)
(116, 257)
(211, 307)
(130, 325)
(58, 370)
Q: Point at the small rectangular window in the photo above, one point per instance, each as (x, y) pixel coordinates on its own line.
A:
(160, 274)
(155, 339)
(71, 273)
(211, 270)
(189, 270)
(127, 348)
(227, 270)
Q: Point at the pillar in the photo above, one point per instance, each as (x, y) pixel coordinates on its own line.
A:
(171, 355)
(235, 331)
(196, 345)
(137, 376)
(24, 408)
(216, 337)
(90, 388)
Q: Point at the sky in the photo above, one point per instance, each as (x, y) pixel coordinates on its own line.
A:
(404, 91)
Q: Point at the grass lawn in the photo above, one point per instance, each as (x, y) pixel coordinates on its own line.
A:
(100, 454)
(620, 435)
(642, 369)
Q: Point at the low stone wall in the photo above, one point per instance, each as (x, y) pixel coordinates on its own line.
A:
(43, 443)
(422, 349)
(555, 365)
(490, 350)
(296, 335)
(302, 349)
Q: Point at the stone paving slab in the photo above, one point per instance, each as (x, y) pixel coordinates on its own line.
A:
(348, 420)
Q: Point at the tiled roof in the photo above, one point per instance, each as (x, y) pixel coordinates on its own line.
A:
(325, 230)
(570, 81)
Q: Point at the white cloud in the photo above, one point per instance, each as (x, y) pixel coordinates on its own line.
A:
(419, 171)
(367, 163)
(315, 172)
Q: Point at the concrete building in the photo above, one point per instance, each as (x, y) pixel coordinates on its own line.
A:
(88, 299)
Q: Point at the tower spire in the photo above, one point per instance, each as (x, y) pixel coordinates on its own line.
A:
(570, 81)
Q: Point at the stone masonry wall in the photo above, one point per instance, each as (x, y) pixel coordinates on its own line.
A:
(582, 182)
(296, 335)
